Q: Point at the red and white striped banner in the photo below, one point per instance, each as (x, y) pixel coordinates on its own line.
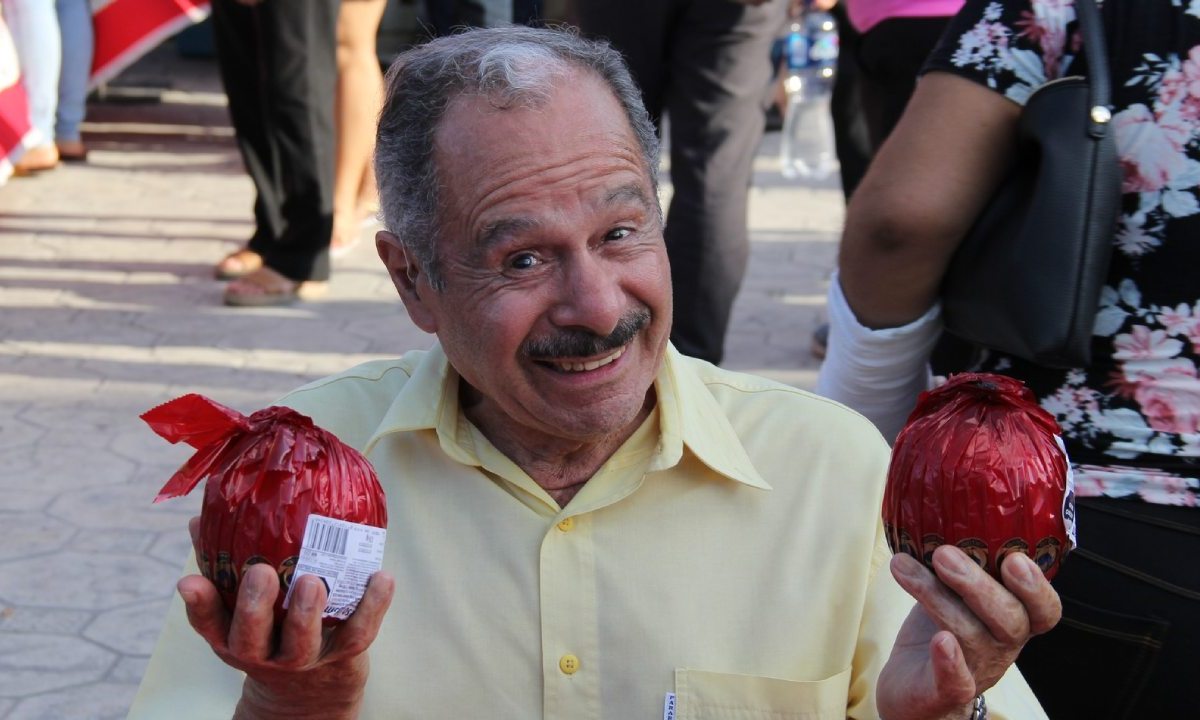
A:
(128, 29)
(16, 133)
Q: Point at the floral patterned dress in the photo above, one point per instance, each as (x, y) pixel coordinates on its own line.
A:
(1132, 419)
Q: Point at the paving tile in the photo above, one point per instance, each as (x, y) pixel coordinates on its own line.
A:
(173, 546)
(32, 534)
(32, 664)
(18, 432)
(104, 541)
(16, 499)
(73, 580)
(122, 506)
(130, 630)
(54, 467)
(32, 619)
(91, 426)
(129, 670)
(101, 701)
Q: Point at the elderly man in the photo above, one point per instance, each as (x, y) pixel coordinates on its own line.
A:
(583, 522)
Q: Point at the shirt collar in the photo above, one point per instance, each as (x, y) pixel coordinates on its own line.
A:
(692, 418)
(689, 417)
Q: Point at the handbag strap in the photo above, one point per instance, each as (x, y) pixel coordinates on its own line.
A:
(1096, 50)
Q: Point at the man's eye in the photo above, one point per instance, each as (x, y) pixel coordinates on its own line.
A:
(618, 233)
(522, 261)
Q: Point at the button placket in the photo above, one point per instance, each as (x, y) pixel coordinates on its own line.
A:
(570, 637)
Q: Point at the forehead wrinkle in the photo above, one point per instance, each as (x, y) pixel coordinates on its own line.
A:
(629, 191)
(496, 231)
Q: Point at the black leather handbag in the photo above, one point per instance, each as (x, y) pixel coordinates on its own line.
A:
(1026, 280)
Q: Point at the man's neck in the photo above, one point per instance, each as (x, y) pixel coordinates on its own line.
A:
(559, 466)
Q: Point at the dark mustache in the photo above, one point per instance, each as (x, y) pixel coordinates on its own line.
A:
(583, 343)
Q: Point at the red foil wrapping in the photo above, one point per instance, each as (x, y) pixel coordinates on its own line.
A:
(266, 473)
(980, 465)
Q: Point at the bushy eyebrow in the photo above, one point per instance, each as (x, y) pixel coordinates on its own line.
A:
(632, 191)
(497, 231)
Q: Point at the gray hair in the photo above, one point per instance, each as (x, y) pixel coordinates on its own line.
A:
(512, 67)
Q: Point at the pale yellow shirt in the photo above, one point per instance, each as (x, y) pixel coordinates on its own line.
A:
(730, 552)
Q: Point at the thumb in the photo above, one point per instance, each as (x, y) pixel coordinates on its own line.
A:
(953, 683)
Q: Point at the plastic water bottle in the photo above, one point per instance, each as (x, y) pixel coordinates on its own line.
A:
(807, 149)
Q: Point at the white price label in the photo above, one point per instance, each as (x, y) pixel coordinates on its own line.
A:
(344, 555)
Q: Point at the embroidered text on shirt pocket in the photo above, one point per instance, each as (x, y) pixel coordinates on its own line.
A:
(703, 695)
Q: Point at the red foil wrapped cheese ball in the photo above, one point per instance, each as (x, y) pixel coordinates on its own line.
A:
(266, 474)
(980, 465)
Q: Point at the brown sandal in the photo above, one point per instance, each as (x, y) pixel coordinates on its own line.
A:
(237, 264)
(267, 288)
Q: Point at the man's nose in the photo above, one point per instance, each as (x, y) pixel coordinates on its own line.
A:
(590, 295)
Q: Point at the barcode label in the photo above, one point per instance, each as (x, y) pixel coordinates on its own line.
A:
(344, 555)
(323, 535)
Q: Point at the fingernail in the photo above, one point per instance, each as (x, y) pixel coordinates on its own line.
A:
(255, 585)
(189, 597)
(306, 596)
(906, 565)
(955, 562)
(1022, 569)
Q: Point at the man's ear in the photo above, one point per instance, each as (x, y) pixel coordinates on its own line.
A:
(406, 275)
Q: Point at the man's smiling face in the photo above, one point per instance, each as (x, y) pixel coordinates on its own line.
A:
(557, 301)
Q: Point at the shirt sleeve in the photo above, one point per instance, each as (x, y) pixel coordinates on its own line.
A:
(1010, 46)
(185, 680)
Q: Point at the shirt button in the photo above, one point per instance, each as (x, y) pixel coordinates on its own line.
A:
(567, 525)
(569, 664)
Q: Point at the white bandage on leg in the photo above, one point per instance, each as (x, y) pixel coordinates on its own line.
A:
(879, 373)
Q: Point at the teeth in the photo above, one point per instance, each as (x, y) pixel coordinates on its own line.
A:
(590, 365)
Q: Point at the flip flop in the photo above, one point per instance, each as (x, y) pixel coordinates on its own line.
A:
(238, 264)
(267, 288)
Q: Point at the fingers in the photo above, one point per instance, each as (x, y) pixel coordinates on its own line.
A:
(951, 677)
(300, 639)
(1025, 579)
(941, 603)
(1000, 611)
(205, 611)
(359, 631)
(254, 615)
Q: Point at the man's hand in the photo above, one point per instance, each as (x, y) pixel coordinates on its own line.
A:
(963, 634)
(303, 671)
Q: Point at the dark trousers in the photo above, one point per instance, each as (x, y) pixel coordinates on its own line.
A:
(890, 57)
(1128, 646)
(279, 69)
(850, 136)
(705, 64)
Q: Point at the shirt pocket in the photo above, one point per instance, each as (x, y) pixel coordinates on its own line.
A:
(703, 695)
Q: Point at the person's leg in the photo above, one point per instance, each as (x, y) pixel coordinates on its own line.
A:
(299, 53)
(641, 43)
(1130, 631)
(34, 28)
(75, 26)
(890, 57)
(850, 134)
(238, 43)
(359, 98)
(720, 64)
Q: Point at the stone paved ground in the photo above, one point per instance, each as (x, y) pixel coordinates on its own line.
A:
(107, 307)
